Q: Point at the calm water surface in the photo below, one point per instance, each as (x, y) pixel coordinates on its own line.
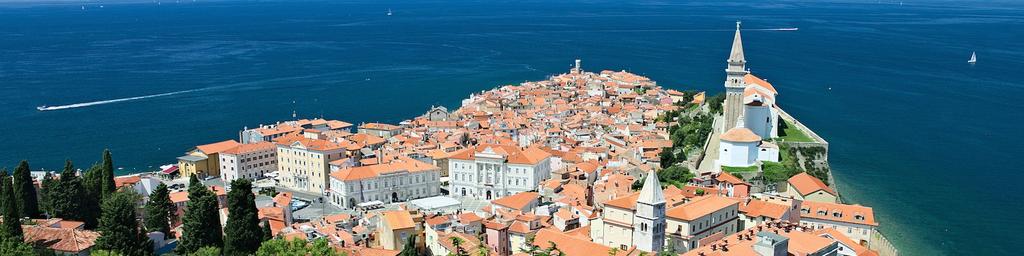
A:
(926, 139)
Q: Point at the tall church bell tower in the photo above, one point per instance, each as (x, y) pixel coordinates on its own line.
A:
(734, 83)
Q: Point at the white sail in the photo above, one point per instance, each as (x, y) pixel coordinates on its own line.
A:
(974, 58)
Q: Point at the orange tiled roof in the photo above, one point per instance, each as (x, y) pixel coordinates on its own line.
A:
(60, 239)
(249, 148)
(752, 79)
(846, 213)
(398, 219)
(740, 134)
(370, 171)
(213, 148)
(700, 207)
(517, 201)
(806, 184)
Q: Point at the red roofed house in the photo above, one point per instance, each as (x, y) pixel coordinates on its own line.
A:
(394, 229)
(854, 221)
(523, 202)
(805, 187)
(734, 187)
(204, 160)
(703, 220)
(400, 180)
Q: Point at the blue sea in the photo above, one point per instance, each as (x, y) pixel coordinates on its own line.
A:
(929, 141)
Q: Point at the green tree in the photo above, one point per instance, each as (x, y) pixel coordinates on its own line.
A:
(553, 250)
(107, 186)
(715, 102)
(67, 196)
(459, 251)
(119, 227)
(267, 232)
(675, 175)
(529, 247)
(92, 180)
(159, 210)
(322, 247)
(638, 184)
(207, 251)
(48, 185)
(409, 249)
(668, 158)
(296, 247)
(25, 192)
(11, 226)
(242, 233)
(12, 247)
(201, 223)
(3, 176)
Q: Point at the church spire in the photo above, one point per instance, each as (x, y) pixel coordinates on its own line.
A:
(649, 217)
(737, 47)
(651, 193)
(734, 82)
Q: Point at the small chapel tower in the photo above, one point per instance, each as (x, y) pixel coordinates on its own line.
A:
(734, 83)
(649, 219)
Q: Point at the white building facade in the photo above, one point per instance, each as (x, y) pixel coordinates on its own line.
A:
(493, 171)
(248, 161)
(401, 180)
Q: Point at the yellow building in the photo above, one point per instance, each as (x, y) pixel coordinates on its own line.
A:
(303, 161)
(395, 227)
(805, 187)
(204, 160)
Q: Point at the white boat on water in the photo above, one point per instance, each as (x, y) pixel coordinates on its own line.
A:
(974, 58)
(389, 11)
(42, 108)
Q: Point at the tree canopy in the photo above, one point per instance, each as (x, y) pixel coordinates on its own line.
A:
(201, 223)
(11, 226)
(119, 227)
(242, 233)
(25, 192)
(296, 247)
(159, 210)
(67, 195)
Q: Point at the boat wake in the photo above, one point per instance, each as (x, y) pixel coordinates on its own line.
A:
(775, 29)
(101, 102)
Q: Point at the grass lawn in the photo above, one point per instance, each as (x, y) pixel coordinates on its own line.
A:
(792, 134)
(731, 169)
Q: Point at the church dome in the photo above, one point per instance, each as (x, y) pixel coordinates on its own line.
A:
(740, 134)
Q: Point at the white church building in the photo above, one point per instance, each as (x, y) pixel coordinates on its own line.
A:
(751, 114)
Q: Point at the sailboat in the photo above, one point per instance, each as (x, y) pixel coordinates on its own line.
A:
(389, 11)
(974, 58)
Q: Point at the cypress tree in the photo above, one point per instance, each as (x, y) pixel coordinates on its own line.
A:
(91, 196)
(159, 210)
(119, 227)
(25, 191)
(107, 186)
(201, 225)
(48, 185)
(242, 234)
(3, 176)
(66, 197)
(11, 227)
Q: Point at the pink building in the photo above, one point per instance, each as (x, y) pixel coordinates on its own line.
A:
(497, 238)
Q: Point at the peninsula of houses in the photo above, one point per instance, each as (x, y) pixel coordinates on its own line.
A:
(583, 163)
